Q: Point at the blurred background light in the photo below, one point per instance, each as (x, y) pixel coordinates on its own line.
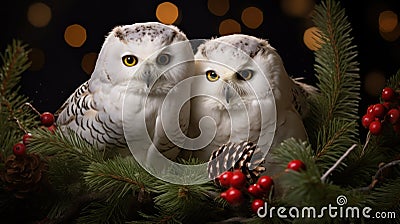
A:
(298, 8)
(75, 35)
(89, 62)
(39, 14)
(387, 21)
(374, 83)
(37, 58)
(229, 26)
(167, 13)
(391, 36)
(312, 38)
(252, 17)
(218, 7)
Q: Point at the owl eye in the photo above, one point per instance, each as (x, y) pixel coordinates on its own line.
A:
(244, 74)
(129, 60)
(212, 76)
(163, 59)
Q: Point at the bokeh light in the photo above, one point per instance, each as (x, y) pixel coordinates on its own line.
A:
(298, 8)
(391, 36)
(252, 17)
(218, 7)
(387, 21)
(374, 83)
(39, 14)
(75, 35)
(229, 26)
(312, 38)
(88, 62)
(37, 58)
(167, 13)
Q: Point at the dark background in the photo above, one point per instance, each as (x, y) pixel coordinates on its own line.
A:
(61, 73)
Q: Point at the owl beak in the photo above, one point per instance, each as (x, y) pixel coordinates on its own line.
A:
(148, 80)
(227, 92)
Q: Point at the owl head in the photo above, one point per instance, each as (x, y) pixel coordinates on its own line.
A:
(239, 67)
(151, 56)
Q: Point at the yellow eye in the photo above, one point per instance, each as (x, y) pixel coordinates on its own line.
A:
(129, 60)
(212, 76)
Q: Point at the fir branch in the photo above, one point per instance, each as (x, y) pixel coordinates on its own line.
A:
(14, 63)
(117, 177)
(332, 125)
(394, 81)
(64, 146)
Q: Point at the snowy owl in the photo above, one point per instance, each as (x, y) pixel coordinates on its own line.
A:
(136, 68)
(243, 87)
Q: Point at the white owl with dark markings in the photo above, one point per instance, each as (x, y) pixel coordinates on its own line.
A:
(248, 91)
(136, 68)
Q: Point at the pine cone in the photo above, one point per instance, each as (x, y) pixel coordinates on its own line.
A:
(245, 156)
(23, 174)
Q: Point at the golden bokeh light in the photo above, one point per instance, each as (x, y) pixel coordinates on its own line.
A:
(391, 36)
(218, 7)
(39, 14)
(37, 58)
(229, 26)
(312, 38)
(252, 17)
(298, 8)
(374, 83)
(167, 13)
(387, 21)
(75, 35)
(88, 62)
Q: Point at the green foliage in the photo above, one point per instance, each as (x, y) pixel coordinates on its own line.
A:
(332, 125)
(14, 62)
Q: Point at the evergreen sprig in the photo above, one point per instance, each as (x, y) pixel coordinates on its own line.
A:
(14, 62)
(332, 125)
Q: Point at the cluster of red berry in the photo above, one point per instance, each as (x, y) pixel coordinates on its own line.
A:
(47, 120)
(236, 183)
(388, 111)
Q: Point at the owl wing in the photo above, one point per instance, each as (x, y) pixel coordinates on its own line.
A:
(79, 114)
(301, 93)
(166, 145)
(76, 105)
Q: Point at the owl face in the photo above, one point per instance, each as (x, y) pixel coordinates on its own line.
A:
(152, 56)
(236, 68)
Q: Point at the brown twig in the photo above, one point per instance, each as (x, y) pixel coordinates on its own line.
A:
(33, 108)
(377, 176)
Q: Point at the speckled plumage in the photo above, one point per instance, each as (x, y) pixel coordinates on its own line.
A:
(116, 94)
(267, 97)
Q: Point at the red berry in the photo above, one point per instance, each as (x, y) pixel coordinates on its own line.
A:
(238, 179)
(388, 94)
(378, 110)
(386, 105)
(265, 183)
(367, 119)
(375, 127)
(223, 195)
(26, 137)
(393, 115)
(370, 109)
(255, 190)
(225, 178)
(52, 128)
(296, 165)
(47, 119)
(19, 149)
(256, 204)
(233, 196)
